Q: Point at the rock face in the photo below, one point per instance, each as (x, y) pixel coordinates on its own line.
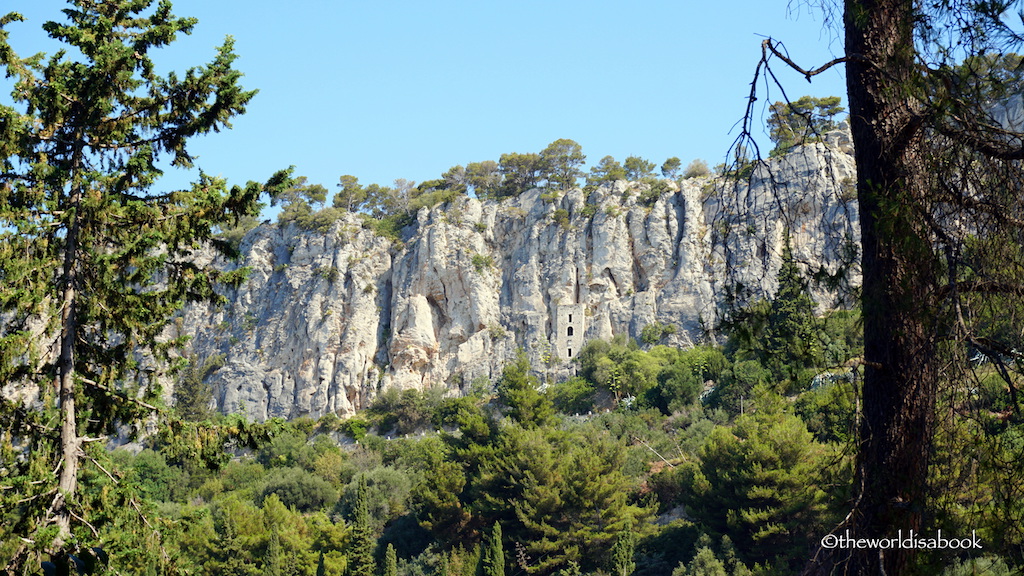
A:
(328, 320)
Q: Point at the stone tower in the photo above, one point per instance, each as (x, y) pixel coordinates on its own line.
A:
(570, 326)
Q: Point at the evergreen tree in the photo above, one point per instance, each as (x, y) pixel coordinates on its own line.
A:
(87, 247)
(274, 556)
(804, 120)
(321, 566)
(519, 172)
(562, 160)
(608, 169)
(670, 169)
(363, 542)
(637, 168)
(230, 555)
(519, 391)
(791, 325)
(704, 563)
(492, 554)
(390, 561)
(351, 194)
(755, 483)
(484, 178)
(927, 141)
(622, 552)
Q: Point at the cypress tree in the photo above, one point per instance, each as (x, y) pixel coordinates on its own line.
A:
(492, 554)
(790, 326)
(273, 563)
(360, 553)
(390, 561)
(321, 567)
(622, 552)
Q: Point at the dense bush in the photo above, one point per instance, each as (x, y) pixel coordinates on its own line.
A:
(299, 489)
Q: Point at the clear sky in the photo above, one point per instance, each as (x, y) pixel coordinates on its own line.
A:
(406, 89)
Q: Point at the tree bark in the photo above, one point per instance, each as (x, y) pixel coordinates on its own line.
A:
(70, 441)
(899, 299)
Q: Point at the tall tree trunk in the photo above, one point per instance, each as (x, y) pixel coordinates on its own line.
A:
(70, 442)
(899, 277)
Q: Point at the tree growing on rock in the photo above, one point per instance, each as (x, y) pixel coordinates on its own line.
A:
(562, 161)
(801, 121)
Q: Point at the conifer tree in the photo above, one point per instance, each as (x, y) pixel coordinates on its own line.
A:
(519, 391)
(790, 323)
(273, 562)
(622, 552)
(562, 160)
(390, 561)
(360, 554)
(938, 172)
(321, 566)
(492, 554)
(94, 260)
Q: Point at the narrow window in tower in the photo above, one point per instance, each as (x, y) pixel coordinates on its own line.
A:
(568, 332)
(570, 353)
(570, 317)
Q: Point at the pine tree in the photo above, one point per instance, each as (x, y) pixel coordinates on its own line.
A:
(938, 171)
(492, 554)
(802, 121)
(93, 260)
(519, 391)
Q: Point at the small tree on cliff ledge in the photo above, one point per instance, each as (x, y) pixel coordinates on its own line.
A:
(92, 261)
(939, 182)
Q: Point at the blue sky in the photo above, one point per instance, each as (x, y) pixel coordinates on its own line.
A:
(407, 89)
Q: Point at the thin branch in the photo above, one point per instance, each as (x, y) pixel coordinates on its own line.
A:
(992, 149)
(648, 446)
(995, 351)
(980, 287)
(95, 532)
(119, 394)
(104, 470)
(41, 495)
(808, 74)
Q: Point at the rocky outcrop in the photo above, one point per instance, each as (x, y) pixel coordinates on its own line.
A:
(327, 320)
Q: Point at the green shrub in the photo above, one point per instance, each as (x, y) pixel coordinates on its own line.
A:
(299, 489)
(354, 428)
(697, 169)
(654, 333)
(404, 411)
(496, 332)
(482, 262)
(561, 217)
(652, 191)
(574, 396)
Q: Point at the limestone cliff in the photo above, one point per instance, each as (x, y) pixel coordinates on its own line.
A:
(327, 320)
